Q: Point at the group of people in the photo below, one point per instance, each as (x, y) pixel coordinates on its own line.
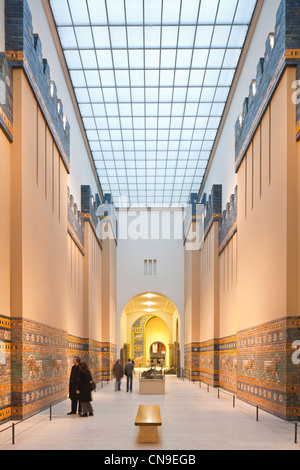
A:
(81, 385)
(119, 373)
(80, 389)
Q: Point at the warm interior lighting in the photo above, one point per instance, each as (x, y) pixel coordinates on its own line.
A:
(150, 296)
(254, 88)
(272, 41)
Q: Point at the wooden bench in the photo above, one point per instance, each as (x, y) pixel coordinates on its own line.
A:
(148, 419)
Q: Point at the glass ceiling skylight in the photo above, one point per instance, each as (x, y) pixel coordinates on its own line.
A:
(151, 79)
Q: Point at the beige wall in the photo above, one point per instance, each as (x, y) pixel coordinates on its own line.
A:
(92, 285)
(267, 216)
(5, 225)
(109, 288)
(39, 215)
(209, 286)
(228, 288)
(52, 281)
(192, 295)
(75, 289)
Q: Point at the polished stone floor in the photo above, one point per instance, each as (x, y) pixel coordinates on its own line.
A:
(193, 418)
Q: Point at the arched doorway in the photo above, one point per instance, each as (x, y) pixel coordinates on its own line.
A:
(150, 324)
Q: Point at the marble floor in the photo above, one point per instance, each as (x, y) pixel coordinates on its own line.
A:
(192, 419)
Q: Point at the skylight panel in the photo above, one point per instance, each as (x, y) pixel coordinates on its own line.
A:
(136, 59)
(226, 11)
(97, 11)
(92, 78)
(152, 78)
(231, 58)
(244, 11)
(152, 36)
(104, 59)
(116, 13)
(107, 78)
(189, 12)
(122, 78)
(67, 37)
(211, 78)
(215, 58)
(226, 77)
(79, 12)
(152, 12)
(120, 59)
(61, 13)
(169, 36)
(204, 36)
(152, 59)
(237, 36)
(186, 36)
(181, 77)
(109, 95)
(118, 37)
(137, 78)
(84, 37)
(78, 78)
(101, 37)
(73, 60)
(184, 58)
(89, 59)
(196, 77)
(134, 12)
(208, 11)
(220, 36)
(135, 37)
(171, 11)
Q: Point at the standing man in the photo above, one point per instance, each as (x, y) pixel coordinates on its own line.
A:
(128, 372)
(118, 373)
(74, 397)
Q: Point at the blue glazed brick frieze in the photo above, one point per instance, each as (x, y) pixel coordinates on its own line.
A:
(6, 96)
(282, 49)
(213, 207)
(89, 206)
(228, 223)
(24, 50)
(75, 223)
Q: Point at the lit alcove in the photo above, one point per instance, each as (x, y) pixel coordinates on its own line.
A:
(149, 332)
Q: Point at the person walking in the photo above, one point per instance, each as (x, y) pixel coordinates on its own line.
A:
(129, 372)
(84, 390)
(118, 373)
(75, 403)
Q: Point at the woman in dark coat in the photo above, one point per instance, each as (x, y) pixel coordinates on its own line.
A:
(74, 397)
(84, 389)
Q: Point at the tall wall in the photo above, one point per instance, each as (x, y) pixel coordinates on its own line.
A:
(54, 262)
(249, 258)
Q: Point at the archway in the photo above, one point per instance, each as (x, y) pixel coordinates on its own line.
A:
(150, 319)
